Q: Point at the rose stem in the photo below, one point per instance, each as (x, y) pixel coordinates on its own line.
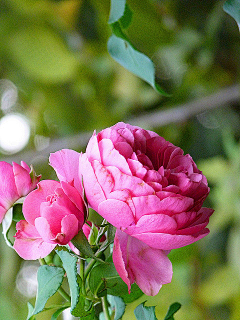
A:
(105, 308)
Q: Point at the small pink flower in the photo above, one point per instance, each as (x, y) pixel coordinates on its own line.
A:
(16, 181)
(146, 187)
(54, 214)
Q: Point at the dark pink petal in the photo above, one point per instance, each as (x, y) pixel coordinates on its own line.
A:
(92, 188)
(124, 149)
(137, 262)
(28, 243)
(8, 190)
(23, 180)
(33, 201)
(170, 241)
(116, 212)
(66, 164)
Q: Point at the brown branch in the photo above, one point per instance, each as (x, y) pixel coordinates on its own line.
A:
(158, 118)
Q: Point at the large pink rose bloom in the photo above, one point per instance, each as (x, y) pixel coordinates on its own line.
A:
(16, 181)
(146, 187)
(54, 213)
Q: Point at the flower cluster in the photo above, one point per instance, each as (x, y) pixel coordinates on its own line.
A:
(137, 181)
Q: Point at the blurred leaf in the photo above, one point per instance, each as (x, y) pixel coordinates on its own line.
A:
(221, 286)
(49, 280)
(172, 310)
(232, 7)
(116, 10)
(42, 54)
(145, 313)
(121, 49)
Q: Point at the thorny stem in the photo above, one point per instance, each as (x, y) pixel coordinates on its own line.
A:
(105, 308)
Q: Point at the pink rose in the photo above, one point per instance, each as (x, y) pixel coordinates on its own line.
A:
(55, 212)
(146, 187)
(16, 181)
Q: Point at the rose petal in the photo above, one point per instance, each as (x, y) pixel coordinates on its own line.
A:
(170, 241)
(32, 203)
(8, 190)
(66, 164)
(28, 243)
(23, 180)
(92, 188)
(137, 262)
(116, 212)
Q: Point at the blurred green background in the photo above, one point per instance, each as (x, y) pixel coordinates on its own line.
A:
(59, 79)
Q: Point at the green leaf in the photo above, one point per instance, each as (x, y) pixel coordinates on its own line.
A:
(118, 305)
(135, 293)
(104, 279)
(117, 10)
(30, 312)
(49, 280)
(42, 54)
(145, 313)
(70, 265)
(172, 310)
(121, 49)
(17, 212)
(58, 312)
(232, 7)
(6, 224)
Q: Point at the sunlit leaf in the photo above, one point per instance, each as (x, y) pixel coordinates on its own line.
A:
(122, 50)
(49, 280)
(42, 54)
(116, 10)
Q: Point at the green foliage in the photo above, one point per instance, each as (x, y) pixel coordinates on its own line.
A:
(232, 7)
(121, 49)
(49, 280)
(172, 310)
(145, 313)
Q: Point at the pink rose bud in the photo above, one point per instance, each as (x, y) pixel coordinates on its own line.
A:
(54, 214)
(16, 181)
(146, 187)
